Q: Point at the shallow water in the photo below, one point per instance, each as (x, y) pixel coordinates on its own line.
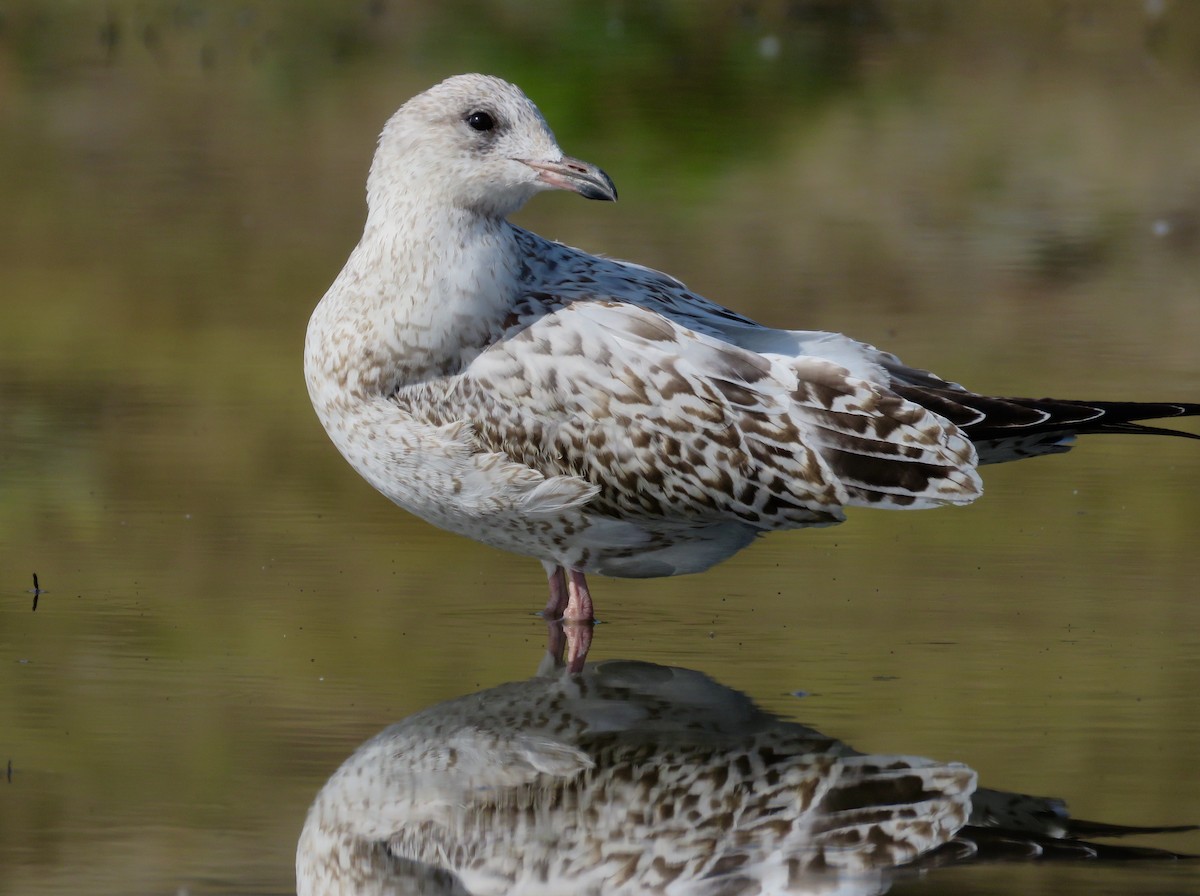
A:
(1010, 200)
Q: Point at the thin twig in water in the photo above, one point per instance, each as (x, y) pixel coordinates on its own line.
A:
(36, 591)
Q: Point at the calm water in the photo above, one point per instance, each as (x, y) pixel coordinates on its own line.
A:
(1011, 199)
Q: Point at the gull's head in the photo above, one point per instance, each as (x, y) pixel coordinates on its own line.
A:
(473, 142)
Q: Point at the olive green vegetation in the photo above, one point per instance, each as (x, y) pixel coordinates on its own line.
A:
(1007, 193)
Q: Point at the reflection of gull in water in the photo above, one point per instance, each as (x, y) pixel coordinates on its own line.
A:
(633, 778)
(596, 414)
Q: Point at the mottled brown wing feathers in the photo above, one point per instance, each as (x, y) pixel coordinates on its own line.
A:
(666, 426)
(887, 451)
(670, 423)
(897, 808)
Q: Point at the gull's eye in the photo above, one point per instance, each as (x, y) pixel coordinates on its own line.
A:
(480, 121)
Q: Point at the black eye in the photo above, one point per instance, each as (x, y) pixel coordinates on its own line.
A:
(481, 121)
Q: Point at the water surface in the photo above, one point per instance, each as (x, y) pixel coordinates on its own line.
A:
(1008, 198)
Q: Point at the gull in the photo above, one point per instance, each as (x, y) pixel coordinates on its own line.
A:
(634, 778)
(597, 414)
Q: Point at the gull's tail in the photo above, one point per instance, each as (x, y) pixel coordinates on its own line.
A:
(973, 845)
(1004, 429)
(1007, 826)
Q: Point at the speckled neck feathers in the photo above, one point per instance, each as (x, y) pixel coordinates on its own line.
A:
(419, 296)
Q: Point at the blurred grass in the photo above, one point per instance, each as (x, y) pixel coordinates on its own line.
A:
(1008, 194)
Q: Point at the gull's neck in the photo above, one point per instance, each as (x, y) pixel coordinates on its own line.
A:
(422, 292)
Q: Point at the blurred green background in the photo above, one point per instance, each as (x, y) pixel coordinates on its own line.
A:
(1006, 193)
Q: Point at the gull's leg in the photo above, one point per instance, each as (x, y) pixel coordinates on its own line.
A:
(557, 605)
(579, 641)
(579, 599)
(569, 618)
(578, 621)
(556, 647)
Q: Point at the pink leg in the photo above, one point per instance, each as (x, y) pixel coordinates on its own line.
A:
(579, 599)
(556, 642)
(569, 618)
(579, 641)
(557, 605)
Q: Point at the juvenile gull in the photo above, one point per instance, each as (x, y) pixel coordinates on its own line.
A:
(635, 779)
(596, 414)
